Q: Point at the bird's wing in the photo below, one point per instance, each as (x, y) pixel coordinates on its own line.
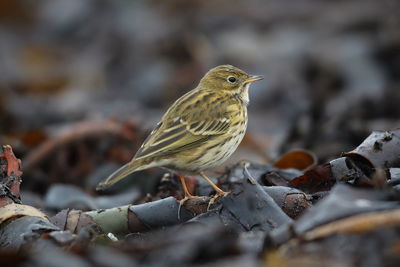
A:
(191, 120)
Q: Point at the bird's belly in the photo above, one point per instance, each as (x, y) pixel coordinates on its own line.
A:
(220, 154)
(216, 153)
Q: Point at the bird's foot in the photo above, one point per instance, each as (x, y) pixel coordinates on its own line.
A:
(219, 193)
(183, 200)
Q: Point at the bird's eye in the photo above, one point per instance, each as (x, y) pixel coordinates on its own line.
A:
(231, 79)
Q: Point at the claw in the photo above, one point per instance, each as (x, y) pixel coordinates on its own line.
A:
(215, 197)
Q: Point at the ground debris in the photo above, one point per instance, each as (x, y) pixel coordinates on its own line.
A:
(328, 200)
(315, 181)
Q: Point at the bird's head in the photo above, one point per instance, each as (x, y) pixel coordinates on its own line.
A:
(228, 79)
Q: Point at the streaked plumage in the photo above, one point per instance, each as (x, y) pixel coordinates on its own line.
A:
(200, 130)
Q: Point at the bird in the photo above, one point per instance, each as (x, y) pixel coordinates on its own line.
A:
(198, 132)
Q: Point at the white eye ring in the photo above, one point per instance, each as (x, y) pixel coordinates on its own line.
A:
(231, 79)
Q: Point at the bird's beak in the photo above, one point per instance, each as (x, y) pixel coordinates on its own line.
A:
(254, 78)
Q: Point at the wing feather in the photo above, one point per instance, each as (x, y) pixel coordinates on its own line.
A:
(179, 130)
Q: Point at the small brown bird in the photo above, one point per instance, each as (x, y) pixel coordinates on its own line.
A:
(199, 131)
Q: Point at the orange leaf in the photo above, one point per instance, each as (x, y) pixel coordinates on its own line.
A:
(296, 159)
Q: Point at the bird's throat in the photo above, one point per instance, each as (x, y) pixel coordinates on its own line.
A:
(244, 94)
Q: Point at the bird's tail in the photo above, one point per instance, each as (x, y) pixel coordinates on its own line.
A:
(119, 174)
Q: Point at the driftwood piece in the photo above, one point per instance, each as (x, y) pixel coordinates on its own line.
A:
(356, 224)
(342, 202)
(17, 232)
(165, 212)
(18, 223)
(380, 150)
(262, 173)
(292, 201)
(131, 218)
(64, 196)
(247, 208)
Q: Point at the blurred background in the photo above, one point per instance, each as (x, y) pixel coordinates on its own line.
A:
(82, 81)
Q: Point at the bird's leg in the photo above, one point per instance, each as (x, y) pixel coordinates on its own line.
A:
(186, 191)
(216, 188)
(218, 191)
(187, 194)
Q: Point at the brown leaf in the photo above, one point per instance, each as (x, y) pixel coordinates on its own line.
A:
(315, 180)
(296, 159)
(13, 164)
